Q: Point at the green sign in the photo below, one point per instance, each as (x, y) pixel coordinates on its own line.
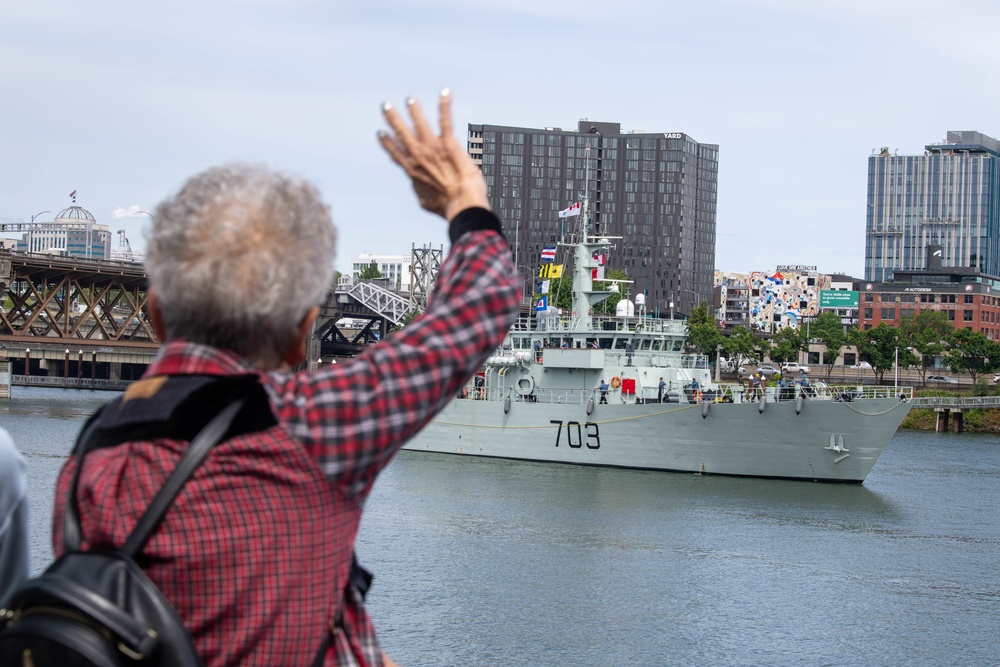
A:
(837, 299)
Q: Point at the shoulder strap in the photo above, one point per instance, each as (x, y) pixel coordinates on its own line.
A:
(196, 452)
(71, 517)
(194, 455)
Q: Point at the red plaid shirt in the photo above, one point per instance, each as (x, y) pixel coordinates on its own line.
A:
(254, 553)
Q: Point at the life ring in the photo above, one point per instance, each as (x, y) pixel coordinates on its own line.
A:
(525, 385)
(616, 382)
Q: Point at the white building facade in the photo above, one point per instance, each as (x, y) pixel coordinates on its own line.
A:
(73, 233)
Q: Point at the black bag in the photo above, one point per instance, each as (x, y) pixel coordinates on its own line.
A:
(99, 609)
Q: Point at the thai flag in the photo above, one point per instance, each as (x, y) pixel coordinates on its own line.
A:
(571, 211)
(549, 254)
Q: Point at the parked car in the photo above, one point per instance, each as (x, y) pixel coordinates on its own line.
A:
(862, 365)
(767, 371)
(942, 378)
(996, 378)
(792, 367)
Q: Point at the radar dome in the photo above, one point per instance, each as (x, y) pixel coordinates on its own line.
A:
(625, 308)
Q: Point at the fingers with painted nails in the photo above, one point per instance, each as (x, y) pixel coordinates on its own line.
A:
(444, 177)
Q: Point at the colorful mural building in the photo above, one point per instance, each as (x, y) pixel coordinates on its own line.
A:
(770, 300)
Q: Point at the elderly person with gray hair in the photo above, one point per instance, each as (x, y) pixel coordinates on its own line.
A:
(256, 552)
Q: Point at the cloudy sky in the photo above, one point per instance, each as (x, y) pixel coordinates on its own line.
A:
(122, 100)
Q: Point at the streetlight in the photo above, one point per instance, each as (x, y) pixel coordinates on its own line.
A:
(36, 215)
(697, 300)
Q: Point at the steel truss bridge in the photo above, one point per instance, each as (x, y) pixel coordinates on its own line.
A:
(57, 314)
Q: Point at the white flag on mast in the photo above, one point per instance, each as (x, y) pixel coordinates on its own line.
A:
(571, 211)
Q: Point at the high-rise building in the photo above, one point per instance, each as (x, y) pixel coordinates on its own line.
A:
(656, 191)
(949, 196)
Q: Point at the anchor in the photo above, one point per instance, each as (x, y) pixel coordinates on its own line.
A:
(837, 446)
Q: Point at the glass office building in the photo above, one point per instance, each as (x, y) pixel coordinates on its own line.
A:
(949, 197)
(657, 191)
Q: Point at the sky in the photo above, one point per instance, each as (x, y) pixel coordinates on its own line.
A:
(121, 101)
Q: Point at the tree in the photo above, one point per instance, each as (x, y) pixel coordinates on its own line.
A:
(829, 330)
(703, 332)
(787, 343)
(370, 272)
(927, 333)
(561, 292)
(700, 315)
(973, 353)
(741, 346)
(610, 305)
(880, 347)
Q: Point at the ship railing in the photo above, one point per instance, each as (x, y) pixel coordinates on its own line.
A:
(598, 323)
(559, 396)
(817, 391)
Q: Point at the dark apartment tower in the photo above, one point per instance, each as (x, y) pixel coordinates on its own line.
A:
(656, 191)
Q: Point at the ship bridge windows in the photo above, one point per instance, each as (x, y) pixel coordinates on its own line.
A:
(645, 344)
(620, 343)
(656, 344)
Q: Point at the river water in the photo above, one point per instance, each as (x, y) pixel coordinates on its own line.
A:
(490, 562)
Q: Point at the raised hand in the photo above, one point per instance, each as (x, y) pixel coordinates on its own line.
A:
(444, 177)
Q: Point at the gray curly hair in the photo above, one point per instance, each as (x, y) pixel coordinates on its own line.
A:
(238, 257)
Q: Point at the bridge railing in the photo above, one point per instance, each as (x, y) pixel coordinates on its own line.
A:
(957, 402)
(69, 383)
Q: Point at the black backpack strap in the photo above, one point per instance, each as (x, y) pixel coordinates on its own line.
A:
(194, 455)
(181, 409)
(71, 517)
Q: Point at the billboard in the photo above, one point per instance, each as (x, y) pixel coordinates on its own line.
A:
(829, 298)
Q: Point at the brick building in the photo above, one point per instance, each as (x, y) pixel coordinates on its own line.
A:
(969, 298)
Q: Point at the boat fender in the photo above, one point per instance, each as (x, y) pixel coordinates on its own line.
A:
(506, 405)
(762, 403)
(590, 406)
(798, 404)
(616, 382)
(704, 409)
(525, 385)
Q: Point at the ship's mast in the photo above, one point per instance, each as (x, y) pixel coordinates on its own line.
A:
(584, 294)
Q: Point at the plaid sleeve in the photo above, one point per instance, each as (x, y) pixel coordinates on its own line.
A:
(353, 416)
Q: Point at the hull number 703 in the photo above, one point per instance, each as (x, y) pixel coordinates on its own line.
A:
(575, 434)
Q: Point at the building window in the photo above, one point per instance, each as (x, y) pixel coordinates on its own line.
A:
(868, 313)
(968, 298)
(966, 315)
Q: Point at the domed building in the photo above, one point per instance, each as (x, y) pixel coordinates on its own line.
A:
(73, 233)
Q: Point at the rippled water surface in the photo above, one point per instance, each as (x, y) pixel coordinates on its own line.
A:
(489, 562)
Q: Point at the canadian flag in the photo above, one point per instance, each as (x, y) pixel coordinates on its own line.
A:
(571, 211)
(597, 273)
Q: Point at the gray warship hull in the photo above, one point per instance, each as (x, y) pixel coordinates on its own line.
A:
(539, 398)
(823, 440)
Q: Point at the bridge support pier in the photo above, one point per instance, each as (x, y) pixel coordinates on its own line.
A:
(957, 423)
(942, 420)
(115, 371)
